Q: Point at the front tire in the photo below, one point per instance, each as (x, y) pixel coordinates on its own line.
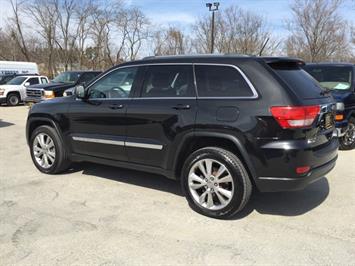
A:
(13, 99)
(347, 142)
(48, 151)
(215, 182)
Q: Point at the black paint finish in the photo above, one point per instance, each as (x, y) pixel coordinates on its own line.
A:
(179, 124)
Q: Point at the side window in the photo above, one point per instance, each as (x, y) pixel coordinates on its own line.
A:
(221, 81)
(33, 81)
(117, 84)
(44, 80)
(168, 81)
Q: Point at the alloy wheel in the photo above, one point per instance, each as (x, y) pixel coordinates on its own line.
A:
(211, 184)
(44, 150)
(349, 137)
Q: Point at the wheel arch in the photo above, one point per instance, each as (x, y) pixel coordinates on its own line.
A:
(34, 122)
(199, 140)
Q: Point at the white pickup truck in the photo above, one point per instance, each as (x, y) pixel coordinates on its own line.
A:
(14, 91)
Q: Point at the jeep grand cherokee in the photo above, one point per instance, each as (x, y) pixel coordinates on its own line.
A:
(222, 125)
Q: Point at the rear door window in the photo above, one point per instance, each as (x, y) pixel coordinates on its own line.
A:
(299, 81)
(221, 81)
(168, 81)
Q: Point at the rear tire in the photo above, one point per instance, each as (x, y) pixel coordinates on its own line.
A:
(13, 99)
(215, 182)
(48, 151)
(347, 142)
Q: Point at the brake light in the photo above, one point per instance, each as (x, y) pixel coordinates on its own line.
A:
(295, 116)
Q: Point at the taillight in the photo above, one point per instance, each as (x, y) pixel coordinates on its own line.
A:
(295, 116)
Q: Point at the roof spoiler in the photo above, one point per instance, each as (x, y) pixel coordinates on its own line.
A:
(283, 61)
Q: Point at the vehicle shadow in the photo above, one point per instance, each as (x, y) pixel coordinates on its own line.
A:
(148, 180)
(5, 124)
(290, 203)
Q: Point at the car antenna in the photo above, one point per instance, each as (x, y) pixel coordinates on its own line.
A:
(264, 45)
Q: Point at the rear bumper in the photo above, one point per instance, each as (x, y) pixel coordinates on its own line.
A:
(274, 184)
(282, 160)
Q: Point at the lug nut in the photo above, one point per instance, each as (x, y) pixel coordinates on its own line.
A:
(215, 184)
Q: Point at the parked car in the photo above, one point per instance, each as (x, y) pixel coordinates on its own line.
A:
(222, 125)
(58, 85)
(14, 91)
(14, 67)
(339, 80)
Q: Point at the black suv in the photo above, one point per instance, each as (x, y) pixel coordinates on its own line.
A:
(220, 124)
(57, 86)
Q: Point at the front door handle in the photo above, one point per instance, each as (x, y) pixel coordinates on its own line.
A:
(181, 107)
(116, 106)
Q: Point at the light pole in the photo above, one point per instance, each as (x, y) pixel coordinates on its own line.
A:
(213, 8)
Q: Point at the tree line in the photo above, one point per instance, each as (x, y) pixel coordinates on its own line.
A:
(87, 34)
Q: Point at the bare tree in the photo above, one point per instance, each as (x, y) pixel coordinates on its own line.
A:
(102, 22)
(236, 31)
(171, 41)
(16, 27)
(66, 36)
(317, 30)
(83, 13)
(45, 16)
(136, 31)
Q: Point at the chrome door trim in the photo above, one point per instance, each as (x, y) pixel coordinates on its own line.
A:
(102, 141)
(143, 145)
(119, 143)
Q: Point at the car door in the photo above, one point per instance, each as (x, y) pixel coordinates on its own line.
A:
(161, 114)
(97, 125)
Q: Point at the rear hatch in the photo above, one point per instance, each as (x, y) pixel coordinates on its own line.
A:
(309, 97)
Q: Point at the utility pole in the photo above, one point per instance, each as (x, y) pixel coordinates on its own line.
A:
(213, 8)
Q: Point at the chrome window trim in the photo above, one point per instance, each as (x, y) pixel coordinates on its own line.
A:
(251, 86)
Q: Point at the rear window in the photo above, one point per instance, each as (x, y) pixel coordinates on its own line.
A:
(332, 77)
(299, 81)
(221, 81)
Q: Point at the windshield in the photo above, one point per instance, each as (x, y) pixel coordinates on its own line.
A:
(332, 77)
(16, 81)
(67, 77)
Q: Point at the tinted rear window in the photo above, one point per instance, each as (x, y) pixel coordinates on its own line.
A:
(299, 81)
(221, 81)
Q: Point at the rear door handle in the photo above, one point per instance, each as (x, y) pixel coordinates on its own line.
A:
(116, 106)
(181, 107)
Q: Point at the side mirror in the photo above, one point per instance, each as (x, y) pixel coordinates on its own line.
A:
(27, 84)
(80, 91)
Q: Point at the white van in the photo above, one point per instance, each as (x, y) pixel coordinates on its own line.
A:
(14, 91)
(13, 67)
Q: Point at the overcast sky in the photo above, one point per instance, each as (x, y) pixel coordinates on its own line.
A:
(184, 12)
